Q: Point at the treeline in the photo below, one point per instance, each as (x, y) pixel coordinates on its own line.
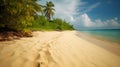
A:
(22, 15)
(55, 24)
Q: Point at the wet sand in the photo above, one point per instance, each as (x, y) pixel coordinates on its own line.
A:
(59, 49)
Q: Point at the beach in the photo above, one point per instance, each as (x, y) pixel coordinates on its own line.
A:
(59, 49)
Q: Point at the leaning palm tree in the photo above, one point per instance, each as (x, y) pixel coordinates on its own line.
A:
(18, 14)
(49, 10)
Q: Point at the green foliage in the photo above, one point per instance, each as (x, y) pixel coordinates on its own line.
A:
(21, 15)
(62, 25)
(49, 10)
(17, 14)
(41, 23)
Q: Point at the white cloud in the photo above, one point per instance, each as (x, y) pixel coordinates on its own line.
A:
(91, 7)
(85, 21)
(84, 9)
(67, 9)
(64, 9)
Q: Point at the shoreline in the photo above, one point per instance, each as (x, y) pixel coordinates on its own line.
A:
(57, 49)
(103, 37)
(101, 42)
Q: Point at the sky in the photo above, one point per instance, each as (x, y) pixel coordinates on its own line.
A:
(88, 14)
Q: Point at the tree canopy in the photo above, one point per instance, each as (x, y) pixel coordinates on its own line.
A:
(49, 10)
(18, 14)
(22, 14)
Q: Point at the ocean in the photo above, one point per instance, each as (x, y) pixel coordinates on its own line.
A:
(108, 34)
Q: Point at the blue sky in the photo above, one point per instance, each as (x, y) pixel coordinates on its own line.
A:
(106, 8)
(88, 13)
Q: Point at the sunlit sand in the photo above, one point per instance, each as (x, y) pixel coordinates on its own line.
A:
(59, 49)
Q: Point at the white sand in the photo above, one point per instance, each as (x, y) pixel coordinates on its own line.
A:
(57, 49)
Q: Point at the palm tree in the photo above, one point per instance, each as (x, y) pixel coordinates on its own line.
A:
(18, 13)
(49, 10)
(34, 7)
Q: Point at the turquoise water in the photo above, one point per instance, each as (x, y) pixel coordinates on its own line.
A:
(109, 34)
